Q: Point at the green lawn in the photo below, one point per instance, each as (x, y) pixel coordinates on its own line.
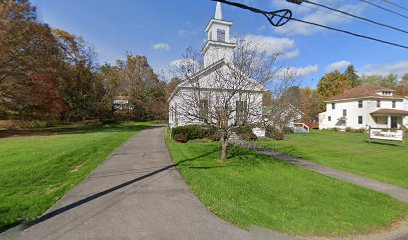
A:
(254, 189)
(349, 152)
(35, 172)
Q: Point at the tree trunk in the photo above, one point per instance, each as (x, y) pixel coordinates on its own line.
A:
(224, 148)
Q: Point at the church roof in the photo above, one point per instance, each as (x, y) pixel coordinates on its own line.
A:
(212, 67)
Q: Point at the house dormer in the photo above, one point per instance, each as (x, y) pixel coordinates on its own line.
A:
(386, 92)
(219, 45)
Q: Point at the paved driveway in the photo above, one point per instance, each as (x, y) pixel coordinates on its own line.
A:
(135, 194)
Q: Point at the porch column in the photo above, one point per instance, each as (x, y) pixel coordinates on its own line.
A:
(389, 121)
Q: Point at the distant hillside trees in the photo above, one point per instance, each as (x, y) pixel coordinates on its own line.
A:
(388, 81)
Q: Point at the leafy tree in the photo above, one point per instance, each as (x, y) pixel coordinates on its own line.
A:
(352, 76)
(388, 81)
(28, 56)
(79, 84)
(133, 77)
(402, 86)
(330, 85)
(306, 95)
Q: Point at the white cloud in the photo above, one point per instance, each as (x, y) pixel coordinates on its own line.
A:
(271, 45)
(161, 46)
(182, 62)
(298, 71)
(185, 33)
(304, 71)
(399, 68)
(340, 65)
(317, 15)
(291, 54)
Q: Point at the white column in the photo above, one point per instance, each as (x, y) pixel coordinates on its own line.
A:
(389, 121)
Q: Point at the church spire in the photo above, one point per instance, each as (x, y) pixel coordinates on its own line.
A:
(218, 11)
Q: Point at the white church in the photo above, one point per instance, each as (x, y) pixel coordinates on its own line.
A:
(219, 89)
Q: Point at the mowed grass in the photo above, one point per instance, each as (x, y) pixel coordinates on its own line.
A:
(350, 152)
(254, 189)
(35, 172)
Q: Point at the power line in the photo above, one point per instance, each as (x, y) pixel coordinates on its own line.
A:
(396, 5)
(358, 17)
(265, 13)
(385, 9)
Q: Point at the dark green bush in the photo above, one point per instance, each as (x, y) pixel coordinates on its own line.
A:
(182, 138)
(192, 132)
(271, 132)
(215, 137)
(248, 136)
(243, 130)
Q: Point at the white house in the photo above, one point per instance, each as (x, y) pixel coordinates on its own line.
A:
(121, 103)
(363, 107)
(185, 108)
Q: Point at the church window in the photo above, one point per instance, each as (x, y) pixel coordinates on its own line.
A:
(203, 110)
(241, 110)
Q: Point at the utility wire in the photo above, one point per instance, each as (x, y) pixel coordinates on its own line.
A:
(385, 9)
(358, 17)
(255, 10)
(396, 5)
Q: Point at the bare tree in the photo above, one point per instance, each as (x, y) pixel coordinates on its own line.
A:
(284, 106)
(226, 94)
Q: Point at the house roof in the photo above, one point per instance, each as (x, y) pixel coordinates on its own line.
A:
(394, 112)
(364, 92)
(120, 98)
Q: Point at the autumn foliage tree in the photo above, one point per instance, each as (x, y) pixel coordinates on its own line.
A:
(28, 56)
(402, 86)
(330, 85)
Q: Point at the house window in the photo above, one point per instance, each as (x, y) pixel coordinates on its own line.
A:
(344, 113)
(394, 104)
(329, 118)
(220, 35)
(203, 110)
(241, 110)
(378, 103)
(333, 106)
(360, 104)
(360, 119)
(376, 119)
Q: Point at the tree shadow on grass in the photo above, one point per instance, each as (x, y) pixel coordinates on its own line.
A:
(108, 128)
(88, 199)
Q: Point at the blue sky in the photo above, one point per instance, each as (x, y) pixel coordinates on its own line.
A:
(163, 29)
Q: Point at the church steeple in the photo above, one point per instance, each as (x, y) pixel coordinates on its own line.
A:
(218, 11)
(219, 43)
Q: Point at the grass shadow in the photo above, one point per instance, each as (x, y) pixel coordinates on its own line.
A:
(109, 128)
(385, 143)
